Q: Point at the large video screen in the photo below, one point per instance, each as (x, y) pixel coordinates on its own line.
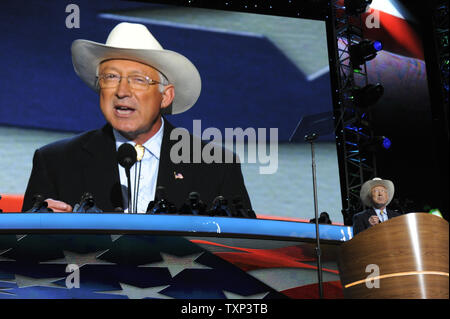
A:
(260, 76)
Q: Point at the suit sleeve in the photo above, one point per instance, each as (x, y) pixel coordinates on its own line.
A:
(39, 182)
(233, 185)
(358, 224)
(392, 214)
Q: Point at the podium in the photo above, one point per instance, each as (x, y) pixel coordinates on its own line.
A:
(405, 258)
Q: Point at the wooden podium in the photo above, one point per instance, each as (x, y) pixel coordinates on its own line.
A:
(405, 257)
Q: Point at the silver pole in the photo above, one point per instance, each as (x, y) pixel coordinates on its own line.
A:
(310, 138)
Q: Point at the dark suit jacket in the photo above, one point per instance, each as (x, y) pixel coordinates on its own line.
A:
(361, 219)
(66, 169)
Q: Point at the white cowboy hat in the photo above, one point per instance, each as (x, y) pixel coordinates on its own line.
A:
(133, 41)
(365, 193)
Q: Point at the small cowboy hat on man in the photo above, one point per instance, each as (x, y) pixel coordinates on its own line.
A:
(133, 41)
(365, 193)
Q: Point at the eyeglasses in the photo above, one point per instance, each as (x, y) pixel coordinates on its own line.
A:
(379, 191)
(137, 82)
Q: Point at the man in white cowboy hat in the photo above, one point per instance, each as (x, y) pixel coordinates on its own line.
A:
(137, 81)
(376, 193)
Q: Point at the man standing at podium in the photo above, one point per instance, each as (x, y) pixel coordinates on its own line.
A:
(137, 81)
(376, 194)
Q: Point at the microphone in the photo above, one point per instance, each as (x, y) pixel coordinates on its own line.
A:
(86, 205)
(240, 211)
(324, 218)
(193, 205)
(220, 207)
(39, 205)
(160, 193)
(127, 156)
(161, 205)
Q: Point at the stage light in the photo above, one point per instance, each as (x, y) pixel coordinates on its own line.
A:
(355, 7)
(376, 144)
(364, 51)
(367, 96)
(386, 143)
(377, 45)
(435, 212)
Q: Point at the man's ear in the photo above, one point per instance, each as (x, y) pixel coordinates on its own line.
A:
(167, 96)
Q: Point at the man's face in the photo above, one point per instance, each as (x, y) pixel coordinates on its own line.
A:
(131, 112)
(380, 196)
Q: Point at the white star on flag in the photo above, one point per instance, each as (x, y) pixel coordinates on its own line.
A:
(133, 292)
(231, 295)
(20, 237)
(115, 237)
(3, 291)
(284, 278)
(176, 264)
(5, 258)
(25, 282)
(80, 259)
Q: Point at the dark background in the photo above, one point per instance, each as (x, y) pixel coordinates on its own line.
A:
(418, 159)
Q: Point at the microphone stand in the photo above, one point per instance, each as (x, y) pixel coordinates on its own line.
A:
(127, 156)
(310, 138)
(127, 172)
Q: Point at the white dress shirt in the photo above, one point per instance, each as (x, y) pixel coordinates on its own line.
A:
(384, 217)
(148, 171)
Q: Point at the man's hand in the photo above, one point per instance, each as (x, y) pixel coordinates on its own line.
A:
(58, 206)
(373, 220)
